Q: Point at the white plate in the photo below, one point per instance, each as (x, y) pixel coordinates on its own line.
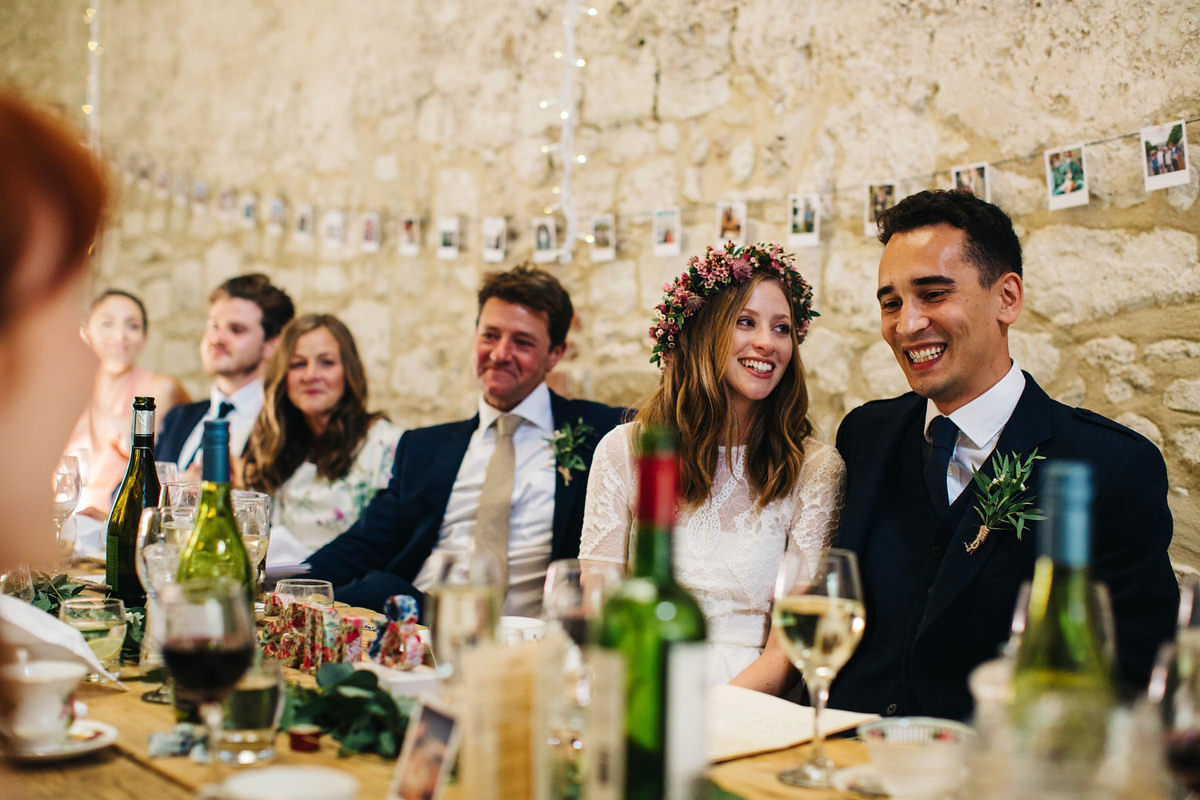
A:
(85, 736)
(860, 780)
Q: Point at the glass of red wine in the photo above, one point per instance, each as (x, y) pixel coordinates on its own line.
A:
(1175, 689)
(207, 646)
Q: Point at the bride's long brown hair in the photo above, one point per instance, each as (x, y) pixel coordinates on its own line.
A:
(694, 399)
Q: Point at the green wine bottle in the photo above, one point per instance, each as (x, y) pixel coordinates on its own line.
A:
(1062, 683)
(215, 549)
(658, 630)
(138, 490)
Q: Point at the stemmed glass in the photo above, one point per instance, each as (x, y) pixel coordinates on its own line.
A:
(158, 551)
(574, 593)
(252, 511)
(208, 645)
(67, 485)
(819, 616)
(1175, 689)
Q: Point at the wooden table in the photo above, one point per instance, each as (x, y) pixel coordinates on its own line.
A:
(125, 771)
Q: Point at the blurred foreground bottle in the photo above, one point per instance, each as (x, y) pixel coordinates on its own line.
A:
(1062, 687)
(658, 631)
(215, 549)
(138, 490)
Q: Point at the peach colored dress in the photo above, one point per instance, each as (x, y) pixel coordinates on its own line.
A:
(105, 437)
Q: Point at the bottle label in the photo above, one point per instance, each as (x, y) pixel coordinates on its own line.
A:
(686, 720)
(604, 757)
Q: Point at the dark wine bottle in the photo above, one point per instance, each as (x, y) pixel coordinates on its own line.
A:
(658, 629)
(215, 549)
(139, 489)
(1062, 684)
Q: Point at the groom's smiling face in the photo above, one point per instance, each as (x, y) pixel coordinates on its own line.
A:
(948, 332)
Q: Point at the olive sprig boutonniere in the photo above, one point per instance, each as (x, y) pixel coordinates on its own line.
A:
(1002, 499)
(567, 442)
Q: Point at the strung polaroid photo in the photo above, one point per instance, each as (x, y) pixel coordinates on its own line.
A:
(427, 757)
(303, 229)
(880, 197)
(333, 231)
(248, 213)
(1165, 160)
(369, 232)
(495, 237)
(200, 198)
(604, 239)
(731, 223)
(409, 238)
(183, 185)
(447, 237)
(144, 172)
(276, 216)
(162, 184)
(668, 230)
(1066, 177)
(545, 246)
(973, 178)
(225, 204)
(804, 220)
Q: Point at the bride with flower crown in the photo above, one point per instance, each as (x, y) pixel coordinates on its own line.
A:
(753, 480)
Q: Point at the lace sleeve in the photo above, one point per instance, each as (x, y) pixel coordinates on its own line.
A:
(822, 493)
(608, 509)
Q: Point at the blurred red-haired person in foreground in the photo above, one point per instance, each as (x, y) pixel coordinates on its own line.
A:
(53, 196)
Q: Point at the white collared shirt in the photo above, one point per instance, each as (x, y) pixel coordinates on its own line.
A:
(531, 522)
(980, 423)
(247, 402)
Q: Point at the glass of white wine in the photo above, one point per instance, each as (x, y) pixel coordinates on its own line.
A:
(67, 486)
(462, 607)
(252, 510)
(819, 616)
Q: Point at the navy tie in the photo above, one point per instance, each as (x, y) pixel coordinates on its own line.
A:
(224, 409)
(944, 434)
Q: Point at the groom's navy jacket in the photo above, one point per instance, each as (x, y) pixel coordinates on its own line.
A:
(935, 611)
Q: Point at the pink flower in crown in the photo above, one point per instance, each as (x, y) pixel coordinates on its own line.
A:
(692, 303)
(741, 267)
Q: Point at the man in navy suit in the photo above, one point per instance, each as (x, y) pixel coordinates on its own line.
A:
(950, 285)
(437, 479)
(245, 316)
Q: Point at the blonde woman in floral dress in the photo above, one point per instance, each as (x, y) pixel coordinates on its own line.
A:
(753, 480)
(315, 448)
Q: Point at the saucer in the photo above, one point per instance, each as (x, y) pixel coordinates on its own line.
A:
(85, 736)
(859, 781)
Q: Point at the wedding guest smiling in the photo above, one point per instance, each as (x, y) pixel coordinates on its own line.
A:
(116, 331)
(938, 600)
(753, 480)
(315, 448)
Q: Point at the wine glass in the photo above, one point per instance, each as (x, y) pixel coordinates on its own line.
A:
(208, 645)
(157, 561)
(67, 485)
(574, 593)
(462, 606)
(252, 511)
(819, 616)
(1175, 689)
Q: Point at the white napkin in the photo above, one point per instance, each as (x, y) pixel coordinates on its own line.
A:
(45, 637)
(89, 535)
(285, 549)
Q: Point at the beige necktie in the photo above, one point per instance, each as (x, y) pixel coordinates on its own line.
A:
(495, 499)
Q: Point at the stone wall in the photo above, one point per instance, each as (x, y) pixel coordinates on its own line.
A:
(433, 108)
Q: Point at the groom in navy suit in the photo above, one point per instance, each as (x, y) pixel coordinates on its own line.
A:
(950, 285)
(439, 473)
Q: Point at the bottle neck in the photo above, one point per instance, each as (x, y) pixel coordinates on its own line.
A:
(658, 479)
(216, 463)
(143, 428)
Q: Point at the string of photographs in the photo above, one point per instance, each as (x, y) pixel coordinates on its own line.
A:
(1163, 155)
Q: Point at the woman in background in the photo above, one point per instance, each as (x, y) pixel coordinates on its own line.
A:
(753, 480)
(315, 448)
(116, 330)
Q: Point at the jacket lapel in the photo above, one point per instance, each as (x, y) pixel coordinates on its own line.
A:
(1027, 428)
(565, 494)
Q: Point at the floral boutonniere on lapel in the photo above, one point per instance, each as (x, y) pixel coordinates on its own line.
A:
(568, 441)
(1002, 499)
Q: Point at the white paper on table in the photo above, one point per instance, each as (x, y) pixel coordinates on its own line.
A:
(89, 535)
(285, 549)
(743, 722)
(45, 637)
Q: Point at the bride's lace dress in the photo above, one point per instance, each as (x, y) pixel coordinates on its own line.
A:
(727, 551)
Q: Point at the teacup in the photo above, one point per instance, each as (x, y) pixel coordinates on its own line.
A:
(39, 704)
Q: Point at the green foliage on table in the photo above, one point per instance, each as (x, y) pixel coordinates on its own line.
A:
(135, 628)
(349, 705)
(50, 590)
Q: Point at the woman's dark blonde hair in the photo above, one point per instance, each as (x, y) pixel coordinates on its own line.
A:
(282, 440)
(694, 399)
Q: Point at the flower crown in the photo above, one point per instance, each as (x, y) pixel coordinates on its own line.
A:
(712, 274)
